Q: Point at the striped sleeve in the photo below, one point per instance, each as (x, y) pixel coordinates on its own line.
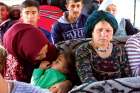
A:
(133, 50)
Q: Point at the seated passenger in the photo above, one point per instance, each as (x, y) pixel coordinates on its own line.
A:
(14, 12)
(101, 59)
(133, 51)
(14, 15)
(15, 86)
(30, 15)
(71, 24)
(124, 25)
(26, 47)
(47, 77)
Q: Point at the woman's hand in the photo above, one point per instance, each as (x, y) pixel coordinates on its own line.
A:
(44, 65)
(62, 87)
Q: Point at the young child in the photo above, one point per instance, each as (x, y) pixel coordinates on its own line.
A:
(45, 78)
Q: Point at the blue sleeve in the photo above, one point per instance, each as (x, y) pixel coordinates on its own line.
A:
(56, 33)
(46, 33)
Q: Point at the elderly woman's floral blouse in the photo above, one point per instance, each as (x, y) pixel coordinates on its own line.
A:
(91, 67)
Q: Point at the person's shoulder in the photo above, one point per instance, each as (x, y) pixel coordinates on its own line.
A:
(83, 45)
(83, 17)
(57, 25)
(134, 38)
(83, 49)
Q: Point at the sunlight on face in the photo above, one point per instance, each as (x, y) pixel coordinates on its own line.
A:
(30, 15)
(102, 33)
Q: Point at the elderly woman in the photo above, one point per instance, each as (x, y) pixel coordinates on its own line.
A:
(101, 59)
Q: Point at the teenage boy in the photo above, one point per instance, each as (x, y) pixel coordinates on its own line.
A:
(71, 24)
(30, 15)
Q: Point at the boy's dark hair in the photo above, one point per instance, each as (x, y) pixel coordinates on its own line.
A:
(67, 1)
(3, 57)
(30, 3)
(6, 6)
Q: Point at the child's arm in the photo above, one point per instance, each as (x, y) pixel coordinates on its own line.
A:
(39, 72)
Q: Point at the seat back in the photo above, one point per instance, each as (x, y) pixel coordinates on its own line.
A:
(48, 16)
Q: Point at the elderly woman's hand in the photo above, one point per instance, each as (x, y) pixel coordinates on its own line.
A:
(62, 87)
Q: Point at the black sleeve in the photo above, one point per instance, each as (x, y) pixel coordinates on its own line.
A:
(130, 30)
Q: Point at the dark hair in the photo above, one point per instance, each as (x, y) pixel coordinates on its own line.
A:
(30, 3)
(70, 59)
(13, 9)
(69, 56)
(6, 6)
(67, 1)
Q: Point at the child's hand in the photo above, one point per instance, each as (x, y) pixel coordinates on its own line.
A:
(44, 65)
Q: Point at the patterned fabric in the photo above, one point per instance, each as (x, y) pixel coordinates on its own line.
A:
(73, 44)
(20, 87)
(91, 67)
(123, 85)
(133, 50)
(13, 70)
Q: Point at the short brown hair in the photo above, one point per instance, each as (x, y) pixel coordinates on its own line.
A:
(67, 1)
(30, 3)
